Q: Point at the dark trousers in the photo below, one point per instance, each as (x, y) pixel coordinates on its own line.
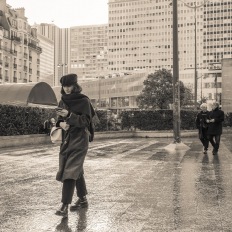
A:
(204, 139)
(215, 141)
(69, 187)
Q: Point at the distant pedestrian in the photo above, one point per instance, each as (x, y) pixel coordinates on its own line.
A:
(214, 120)
(202, 126)
(75, 118)
(48, 124)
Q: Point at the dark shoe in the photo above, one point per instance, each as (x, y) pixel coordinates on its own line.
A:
(205, 152)
(215, 152)
(63, 211)
(80, 203)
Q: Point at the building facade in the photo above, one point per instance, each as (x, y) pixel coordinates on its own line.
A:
(140, 35)
(140, 38)
(227, 84)
(46, 60)
(20, 50)
(58, 39)
(117, 93)
(217, 40)
(89, 51)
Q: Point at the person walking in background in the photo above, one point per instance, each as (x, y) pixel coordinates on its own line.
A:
(202, 126)
(214, 120)
(75, 114)
(48, 124)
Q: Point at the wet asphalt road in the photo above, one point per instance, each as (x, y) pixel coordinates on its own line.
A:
(134, 185)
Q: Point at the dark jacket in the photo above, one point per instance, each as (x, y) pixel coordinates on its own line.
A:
(201, 120)
(201, 123)
(74, 147)
(215, 128)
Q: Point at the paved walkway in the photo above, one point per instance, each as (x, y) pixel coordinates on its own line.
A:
(134, 186)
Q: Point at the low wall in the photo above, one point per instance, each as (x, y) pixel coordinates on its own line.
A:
(163, 134)
(29, 140)
(23, 140)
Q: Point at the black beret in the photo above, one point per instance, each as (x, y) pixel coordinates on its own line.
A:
(68, 80)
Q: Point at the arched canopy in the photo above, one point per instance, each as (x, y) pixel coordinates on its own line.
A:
(25, 94)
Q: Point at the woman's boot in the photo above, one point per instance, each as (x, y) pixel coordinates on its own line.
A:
(63, 211)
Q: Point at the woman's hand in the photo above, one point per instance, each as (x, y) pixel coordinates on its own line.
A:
(64, 126)
(210, 120)
(62, 113)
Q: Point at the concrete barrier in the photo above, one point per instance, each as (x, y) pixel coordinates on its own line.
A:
(39, 139)
(23, 140)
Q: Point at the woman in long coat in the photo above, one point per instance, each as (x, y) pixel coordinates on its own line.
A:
(75, 118)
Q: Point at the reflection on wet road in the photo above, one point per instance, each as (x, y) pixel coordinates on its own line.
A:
(134, 185)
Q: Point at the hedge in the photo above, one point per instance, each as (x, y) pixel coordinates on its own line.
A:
(162, 120)
(17, 120)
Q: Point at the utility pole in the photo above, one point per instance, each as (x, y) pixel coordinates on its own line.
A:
(195, 65)
(176, 86)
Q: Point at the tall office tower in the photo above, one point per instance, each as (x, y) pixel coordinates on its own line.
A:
(46, 60)
(47, 36)
(47, 30)
(217, 31)
(62, 48)
(19, 47)
(140, 35)
(89, 51)
(60, 37)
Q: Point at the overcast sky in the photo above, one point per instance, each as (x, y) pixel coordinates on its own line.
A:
(64, 13)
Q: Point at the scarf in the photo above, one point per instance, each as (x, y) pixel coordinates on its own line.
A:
(79, 104)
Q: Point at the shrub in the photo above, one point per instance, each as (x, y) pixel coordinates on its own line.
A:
(17, 120)
(157, 119)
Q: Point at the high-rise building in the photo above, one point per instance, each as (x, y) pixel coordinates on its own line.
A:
(217, 43)
(89, 51)
(140, 35)
(19, 47)
(140, 38)
(62, 50)
(46, 60)
(60, 62)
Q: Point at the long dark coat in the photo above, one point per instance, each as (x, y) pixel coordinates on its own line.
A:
(201, 124)
(215, 128)
(74, 146)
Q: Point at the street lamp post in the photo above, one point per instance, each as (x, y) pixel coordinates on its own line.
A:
(215, 83)
(63, 66)
(195, 45)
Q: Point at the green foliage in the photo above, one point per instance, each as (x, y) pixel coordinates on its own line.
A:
(158, 91)
(16, 120)
(228, 120)
(157, 119)
(102, 124)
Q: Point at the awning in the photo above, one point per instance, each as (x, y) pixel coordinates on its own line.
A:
(25, 94)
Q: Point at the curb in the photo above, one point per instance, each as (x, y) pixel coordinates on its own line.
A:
(40, 139)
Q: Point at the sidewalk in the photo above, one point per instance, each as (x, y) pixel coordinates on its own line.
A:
(134, 186)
